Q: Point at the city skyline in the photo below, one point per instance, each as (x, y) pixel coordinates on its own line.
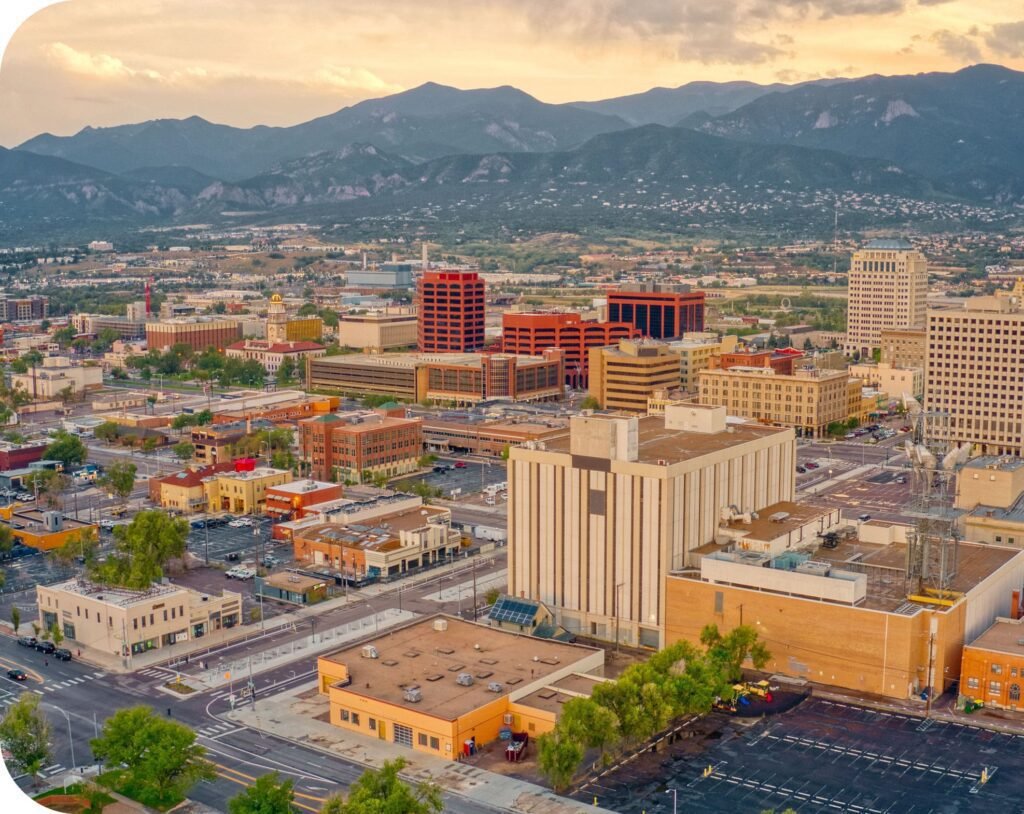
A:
(92, 63)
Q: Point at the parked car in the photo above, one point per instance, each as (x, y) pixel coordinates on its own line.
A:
(232, 557)
(62, 653)
(801, 470)
(864, 518)
(460, 464)
(270, 561)
(16, 674)
(439, 470)
(811, 465)
(46, 647)
(27, 641)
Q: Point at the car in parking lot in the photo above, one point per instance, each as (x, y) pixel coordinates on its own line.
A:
(232, 556)
(801, 470)
(811, 465)
(240, 572)
(270, 561)
(46, 647)
(864, 518)
(460, 464)
(62, 654)
(27, 641)
(16, 674)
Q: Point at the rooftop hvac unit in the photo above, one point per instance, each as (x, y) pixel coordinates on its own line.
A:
(779, 517)
(440, 625)
(53, 521)
(413, 695)
(370, 652)
(465, 679)
(494, 686)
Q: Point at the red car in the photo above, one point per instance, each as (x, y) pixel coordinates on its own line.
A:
(460, 464)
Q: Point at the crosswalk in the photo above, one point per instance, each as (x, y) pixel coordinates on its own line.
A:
(215, 730)
(53, 686)
(156, 672)
(50, 771)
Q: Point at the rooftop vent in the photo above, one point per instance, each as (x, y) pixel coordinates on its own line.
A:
(494, 686)
(440, 625)
(779, 517)
(465, 679)
(370, 652)
(413, 695)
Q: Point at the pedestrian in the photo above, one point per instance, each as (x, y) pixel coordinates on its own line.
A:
(46, 662)
(168, 712)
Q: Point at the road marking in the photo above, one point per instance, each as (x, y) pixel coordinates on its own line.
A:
(99, 675)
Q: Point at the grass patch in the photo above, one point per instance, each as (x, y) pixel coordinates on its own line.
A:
(121, 781)
(179, 687)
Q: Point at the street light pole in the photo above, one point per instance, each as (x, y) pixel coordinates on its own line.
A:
(675, 799)
(71, 740)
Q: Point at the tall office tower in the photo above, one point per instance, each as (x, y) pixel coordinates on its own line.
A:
(974, 367)
(451, 310)
(658, 310)
(888, 286)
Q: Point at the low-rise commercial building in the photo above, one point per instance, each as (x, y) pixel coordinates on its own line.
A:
(357, 447)
(215, 443)
(696, 352)
(292, 587)
(291, 501)
(625, 376)
(17, 456)
(437, 684)
(123, 622)
(242, 492)
(808, 400)
(456, 378)
(184, 491)
(273, 354)
(992, 671)
(378, 331)
(197, 333)
(43, 530)
(282, 410)
(57, 375)
(893, 382)
(477, 435)
(904, 347)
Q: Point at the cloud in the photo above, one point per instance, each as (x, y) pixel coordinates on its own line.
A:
(351, 78)
(99, 66)
(1007, 39)
(956, 45)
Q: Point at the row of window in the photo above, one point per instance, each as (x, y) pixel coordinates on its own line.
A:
(401, 734)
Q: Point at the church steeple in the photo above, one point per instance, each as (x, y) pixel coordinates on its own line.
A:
(277, 320)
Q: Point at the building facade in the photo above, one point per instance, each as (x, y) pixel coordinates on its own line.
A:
(198, 333)
(531, 333)
(24, 309)
(888, 288)
(992, 671)
(904, 347)
(242, 492)
(357, 447)
(809, 400)
(452, 310)
(696, 353)
(290, 501)
(379, 331)
(625, 376)
(598, 519)
(272, 354)
(891, 381)
(657, 310)
(56, 375)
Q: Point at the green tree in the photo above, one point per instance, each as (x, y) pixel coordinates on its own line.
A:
(492, 595)
(107, 431)
(590, 724)
(287, 371)
(590, 403)
(728, 652)
(219, 307)
(119, 479)
(80, 547)
(26, 734)
(161, 757)
(268, 795)
(184, 451)
(65, 336)
(558, 758)
(15, 618)
(379, 791)
(56, 635)
(47, 484)
(67, 448)
(142, 549)
(149, 444)
(19, 366)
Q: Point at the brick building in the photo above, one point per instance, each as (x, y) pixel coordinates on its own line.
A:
(451, 309)
(358, 446)
(290, 500)
(198, 334)
(658, 310)
(531, 333)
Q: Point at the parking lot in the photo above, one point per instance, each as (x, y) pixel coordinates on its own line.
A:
(472, 478)
(824, 756)
(225, 540)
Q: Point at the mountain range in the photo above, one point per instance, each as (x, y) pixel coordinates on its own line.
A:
(937, 136)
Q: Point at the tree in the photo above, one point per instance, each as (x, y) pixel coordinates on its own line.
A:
(65, 336)
(67, 448)
(161, 757)
(384, 791)
(81, 547)
(15, 618)
(590, 403)
(558, 758)
(589, 723)
(47, 484)
(219, 307)
(119, 479)
(149, 444)
(26, 734)
(728, 652)
(142, 549)
(286, 372)
(56, 635)
(19, 366)
(184, 451)
(107, 431)
(268, 795)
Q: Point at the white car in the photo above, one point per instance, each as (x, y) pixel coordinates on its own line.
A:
(236, 524)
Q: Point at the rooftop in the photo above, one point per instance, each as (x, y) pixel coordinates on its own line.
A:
(898, 244)
(1002, 464)
(1013, 512)
(253, 474)
(276, 347)
(422, 657)
(1005, 636)
(770, 523)
(290, 581)
(380, 535)
(301, 487)
(415, 360)
(121, 597)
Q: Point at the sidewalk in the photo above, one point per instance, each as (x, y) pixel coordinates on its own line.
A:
(299, 715)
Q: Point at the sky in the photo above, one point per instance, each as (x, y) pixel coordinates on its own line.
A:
(246, 62)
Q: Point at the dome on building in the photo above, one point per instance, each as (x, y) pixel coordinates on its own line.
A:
(275, 298)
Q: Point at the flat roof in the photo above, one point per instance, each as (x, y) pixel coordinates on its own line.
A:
(1004, 636)
(418, 655)
(764, 528)
(303, 487)
(656, 443)
(380, 534)
(293, 582)
(1002, 463)
(121, 597)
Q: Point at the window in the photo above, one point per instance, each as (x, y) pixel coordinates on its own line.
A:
(403, 735)
(373, 724)
(345, 716)
(972, 683)
(1015, 692)
(135, 624)
(997, 669)
(421, 739)
(355, 719)
(435, 744)
(719, 602)
(995, 686)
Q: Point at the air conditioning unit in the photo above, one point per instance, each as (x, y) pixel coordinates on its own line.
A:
(465, 679)
(370, 652)
(413, 695)
(440, 625)
(494, 686)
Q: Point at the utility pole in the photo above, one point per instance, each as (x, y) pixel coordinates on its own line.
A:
(206, 528)
(930, 678)
(474, 589)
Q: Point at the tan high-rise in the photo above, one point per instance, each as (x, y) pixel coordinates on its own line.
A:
(888, 286)
(624, 376)
(974, 372)
(598, 518)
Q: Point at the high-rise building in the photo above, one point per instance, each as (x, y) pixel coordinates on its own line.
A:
(599, 518)
(451, 308)
(658, 310)
(888, 286)
(624, 377)
(531, 333)
(23, 309)
(973, 374)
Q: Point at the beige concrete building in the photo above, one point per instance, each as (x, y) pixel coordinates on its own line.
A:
(121, 622)
(974, 371)
(625, 376)
(892, 381)
(599, 518)
(888, 286)
(378, 331)
(990, 490)
(808, 400)
(696, 351)
(242, 492)
(57, 374)
(904, 347)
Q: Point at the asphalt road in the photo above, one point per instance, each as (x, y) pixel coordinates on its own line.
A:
(78, 697)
